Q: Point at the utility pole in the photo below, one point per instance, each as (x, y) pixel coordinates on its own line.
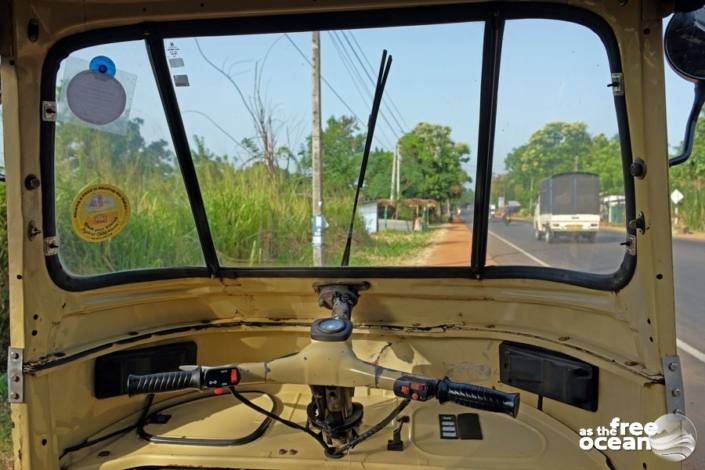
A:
(392, 192)
(317, 199)
(397, 158)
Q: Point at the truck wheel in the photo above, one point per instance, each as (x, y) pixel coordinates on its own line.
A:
(591, 237)
(537, 234)
(548, 236)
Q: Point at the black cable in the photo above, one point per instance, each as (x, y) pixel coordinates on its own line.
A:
(362, 81)
(369, 75)
(323, 79)
(374, 429)
(330, 451)
(191, 441)
(358, 82)
(318, 437)
(367, 60)
(88, 443)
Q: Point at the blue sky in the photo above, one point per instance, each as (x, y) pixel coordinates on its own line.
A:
(550, 71)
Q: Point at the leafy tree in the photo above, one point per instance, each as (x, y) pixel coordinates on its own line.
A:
(556, 148)
(341, 146)
(606, 161)
(689, 178)
(432, 163)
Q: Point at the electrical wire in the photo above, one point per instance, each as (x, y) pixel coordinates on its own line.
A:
(253, 436)
(145, 416)
(351, 66)
(330, 450)
(374, 429)
(91, 442)
(369, 64)
(330, 87)
(323, 79)
(358, 82)
(317, 436)
(369, 76)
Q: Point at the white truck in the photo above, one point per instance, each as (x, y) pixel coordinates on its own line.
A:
(568, 206)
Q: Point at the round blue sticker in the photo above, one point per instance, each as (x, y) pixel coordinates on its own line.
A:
(102, 64)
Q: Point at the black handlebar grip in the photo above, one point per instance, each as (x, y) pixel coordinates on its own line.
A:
(474, 396)
(163, 381)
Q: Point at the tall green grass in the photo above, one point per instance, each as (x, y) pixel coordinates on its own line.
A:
(257, 217)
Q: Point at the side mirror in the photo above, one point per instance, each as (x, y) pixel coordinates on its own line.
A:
(685, 51)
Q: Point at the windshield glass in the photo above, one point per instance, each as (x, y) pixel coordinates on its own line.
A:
(558, 187)
(253, 145)
(246, 103)
(120, 197)
(257, 122)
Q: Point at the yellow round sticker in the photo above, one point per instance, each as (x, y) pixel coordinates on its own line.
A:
(99, 212)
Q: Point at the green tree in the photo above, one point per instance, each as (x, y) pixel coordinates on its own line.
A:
(689, 178)
(342, 146)
(432, 163)
(606, 161)
(556, 148)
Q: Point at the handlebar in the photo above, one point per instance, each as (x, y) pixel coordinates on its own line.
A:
(472, 396)
(475, 396)
(189, 377)
(404, 386)
(163, 382)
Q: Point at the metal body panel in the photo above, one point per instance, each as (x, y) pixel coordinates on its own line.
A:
(438, 326)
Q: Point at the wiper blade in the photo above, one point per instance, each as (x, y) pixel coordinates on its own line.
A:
(371, 123)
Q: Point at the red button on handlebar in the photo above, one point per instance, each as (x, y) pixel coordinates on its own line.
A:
(234, 376)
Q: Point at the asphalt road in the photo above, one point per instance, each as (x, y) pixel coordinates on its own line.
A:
(514, 243)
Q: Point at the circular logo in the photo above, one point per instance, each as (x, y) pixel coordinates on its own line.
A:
(99, 212)
(675, 437)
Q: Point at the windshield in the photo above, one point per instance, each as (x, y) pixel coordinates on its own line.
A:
(204, 150)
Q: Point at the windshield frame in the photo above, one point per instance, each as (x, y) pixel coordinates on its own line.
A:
(492, 14)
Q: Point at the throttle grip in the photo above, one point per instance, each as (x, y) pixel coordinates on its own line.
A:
(164, 381)
(479, 397)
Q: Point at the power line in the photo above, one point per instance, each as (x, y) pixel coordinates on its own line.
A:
(358, 83)
(363, 84)
(389, 97)
(323, 79)
(362, 66)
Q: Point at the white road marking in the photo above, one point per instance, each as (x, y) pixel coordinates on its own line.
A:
(682, 345)
(520, 250)
(688, 349)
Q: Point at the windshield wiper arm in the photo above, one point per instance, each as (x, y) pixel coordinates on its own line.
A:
(371, 123)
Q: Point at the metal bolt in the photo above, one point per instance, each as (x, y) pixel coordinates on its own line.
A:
(31, 182)
(673, 366)
(638, 168)
(282, 451)
(15, 355)
(676, 392)
(15, 378)
(15, 396)
(32, 230)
